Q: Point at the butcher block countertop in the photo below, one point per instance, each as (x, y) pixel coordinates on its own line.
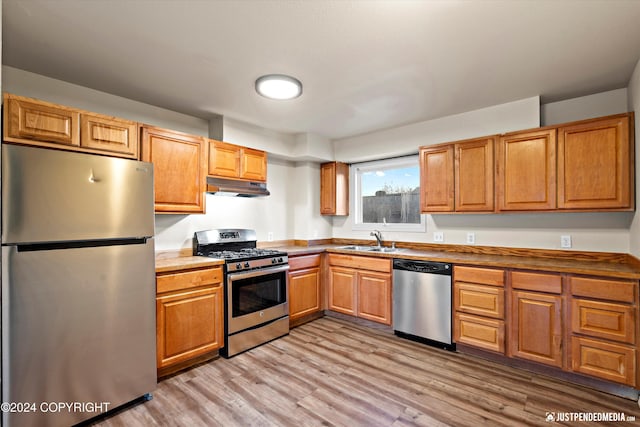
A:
(618, 265)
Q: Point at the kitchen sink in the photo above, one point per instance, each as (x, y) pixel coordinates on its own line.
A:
(383, 249)
(369, 248)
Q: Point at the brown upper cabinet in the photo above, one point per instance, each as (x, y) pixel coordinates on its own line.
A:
(233, 161)
(334, 188)
(436, 179)
(594, 164)
(526, 171)
(179, 164)
(34, 122)
(458, 177)
(579, 166)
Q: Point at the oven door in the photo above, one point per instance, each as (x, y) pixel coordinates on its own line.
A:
(256, 297)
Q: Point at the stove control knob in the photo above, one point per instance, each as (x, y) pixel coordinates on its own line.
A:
(274, 260)
(239, 266)
(247, 265)
(280, 259)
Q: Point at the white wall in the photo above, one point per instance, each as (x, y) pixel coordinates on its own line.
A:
(518, 115)
(634, 105)
(264, 214)
(585, 107)
(607, 232)
(24, 83)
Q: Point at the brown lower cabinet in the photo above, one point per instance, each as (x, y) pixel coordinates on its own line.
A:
(304, 286)
(189, 311)
(582, 324)
(478, 300)
(603, 326)
(360, 286)
(536, 327)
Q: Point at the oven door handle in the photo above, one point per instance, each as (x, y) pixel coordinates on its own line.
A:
(256, 273)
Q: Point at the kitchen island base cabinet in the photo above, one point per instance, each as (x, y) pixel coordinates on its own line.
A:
(189, 317)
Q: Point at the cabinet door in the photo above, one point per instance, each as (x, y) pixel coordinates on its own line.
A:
(304, 292)
(374, 297)
(189, 324)
(334, 189)
(179, 165)
(536, 327)
(474, 172)
(253, 165)
(436, 179)
(342, 290)
(32, 120)
(526, 164)
(594, 165)
(116, 136)
(224, 159)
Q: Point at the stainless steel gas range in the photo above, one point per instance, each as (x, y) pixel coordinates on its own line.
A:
(255, 287)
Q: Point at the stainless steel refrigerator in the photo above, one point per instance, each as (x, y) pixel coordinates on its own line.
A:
(78, 285)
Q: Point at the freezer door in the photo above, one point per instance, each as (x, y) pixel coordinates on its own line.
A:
(78, 325)
(50, 195)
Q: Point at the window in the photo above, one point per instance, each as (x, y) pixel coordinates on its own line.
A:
(387, 195)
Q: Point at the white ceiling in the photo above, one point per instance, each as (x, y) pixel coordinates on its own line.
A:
(365, 65)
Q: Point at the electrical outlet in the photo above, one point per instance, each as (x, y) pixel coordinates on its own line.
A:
(270, 236)
(438, 236)
(471, 238)
(565, 241)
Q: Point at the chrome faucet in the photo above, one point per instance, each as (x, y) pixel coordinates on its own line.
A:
(378, 235)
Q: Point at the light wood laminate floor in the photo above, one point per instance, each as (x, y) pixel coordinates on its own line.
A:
(335, 372)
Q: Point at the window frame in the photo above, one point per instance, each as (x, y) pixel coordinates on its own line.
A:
(356, 171)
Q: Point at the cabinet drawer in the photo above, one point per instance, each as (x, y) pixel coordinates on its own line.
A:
(613, 362)
(613, 290)
(481, 300)
(361, 262)
(479, 332)
(603, 320)
(541, 282)
(188, 279)
(484, 276)
(302, 262)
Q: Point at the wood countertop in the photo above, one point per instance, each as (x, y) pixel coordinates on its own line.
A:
(596, 264)
(622, 266)
(176, 261)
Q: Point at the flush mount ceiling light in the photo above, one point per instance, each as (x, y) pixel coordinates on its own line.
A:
(278, 86)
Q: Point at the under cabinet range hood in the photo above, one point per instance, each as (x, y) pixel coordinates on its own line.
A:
(236, 188)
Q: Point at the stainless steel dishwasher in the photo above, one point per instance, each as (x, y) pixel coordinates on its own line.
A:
(422, 302)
